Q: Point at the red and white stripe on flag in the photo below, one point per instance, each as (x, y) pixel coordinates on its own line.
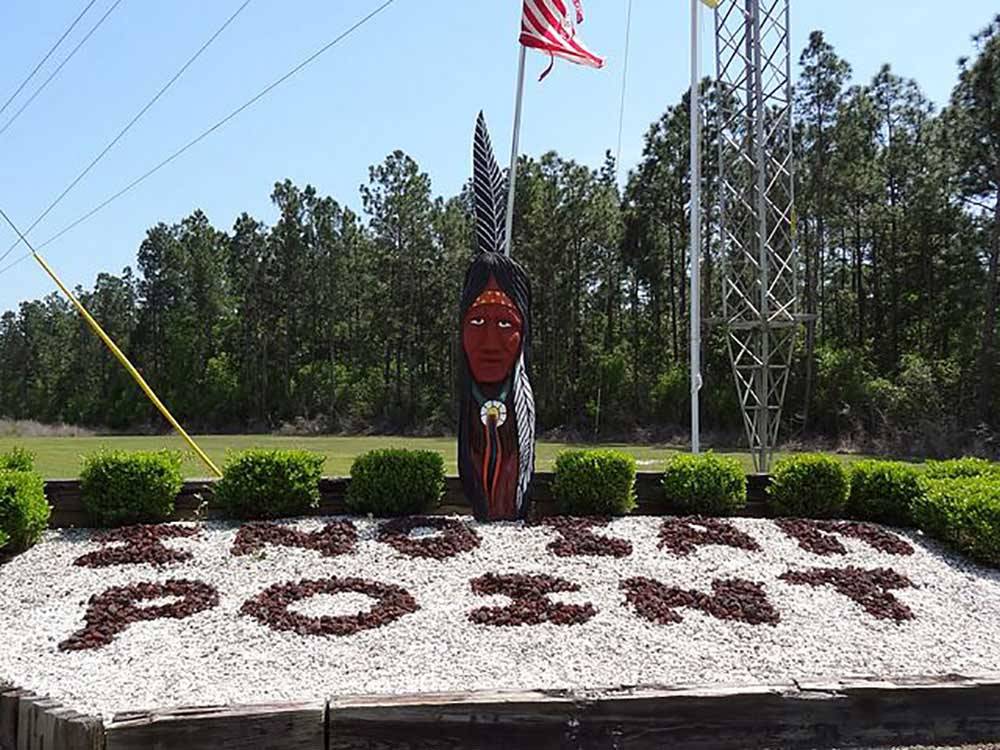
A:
(548, 26)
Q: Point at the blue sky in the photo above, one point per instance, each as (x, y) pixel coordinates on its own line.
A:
(413, 79)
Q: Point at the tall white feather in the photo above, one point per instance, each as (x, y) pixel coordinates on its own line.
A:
(524, 410)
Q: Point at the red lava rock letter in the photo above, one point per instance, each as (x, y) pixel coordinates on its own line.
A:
(577, 540)
(142, 544)
(731, 599)
(530, 606)
(869, 588)
(337, 538)
(110, 613)
(680, 536)
(818, 536)
(271, 606)
(455, 537)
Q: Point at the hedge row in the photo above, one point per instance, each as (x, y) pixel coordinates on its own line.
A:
(141, 486)
(956, 501)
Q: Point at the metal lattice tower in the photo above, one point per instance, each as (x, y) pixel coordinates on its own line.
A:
(759, 299)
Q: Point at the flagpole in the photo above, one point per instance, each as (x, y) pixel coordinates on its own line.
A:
(695, 228)
(512, 174)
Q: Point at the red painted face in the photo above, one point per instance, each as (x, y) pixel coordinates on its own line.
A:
(491, 335)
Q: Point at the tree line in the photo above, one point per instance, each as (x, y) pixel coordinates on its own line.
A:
(344, 322)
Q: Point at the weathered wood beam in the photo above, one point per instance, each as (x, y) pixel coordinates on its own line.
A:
(8, 716)
(31, 722)
(279, 726)
(790, 715)
(797, 714)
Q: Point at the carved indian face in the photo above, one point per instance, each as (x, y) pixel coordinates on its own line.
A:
(491, 335)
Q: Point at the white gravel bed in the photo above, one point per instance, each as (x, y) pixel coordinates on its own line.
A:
(220, 656)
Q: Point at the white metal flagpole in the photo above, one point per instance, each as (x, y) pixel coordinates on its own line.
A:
(512, 174)
(695, 229)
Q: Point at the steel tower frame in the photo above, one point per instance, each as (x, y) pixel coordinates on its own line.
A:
(757, 220)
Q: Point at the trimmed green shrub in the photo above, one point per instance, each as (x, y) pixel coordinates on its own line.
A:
(964, 513)
(594, 482)
(931, 510)
(884, 492)
(270, 483)
(808, 485)
(24, 511)
(705, 484)
(396, 482)
(18, 459)
(957, 468)
(125, 487)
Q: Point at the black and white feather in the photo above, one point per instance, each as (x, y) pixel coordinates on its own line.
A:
(490, 191)
(524, 412)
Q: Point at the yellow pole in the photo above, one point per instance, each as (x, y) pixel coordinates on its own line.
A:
(127, 365)
(95, 326)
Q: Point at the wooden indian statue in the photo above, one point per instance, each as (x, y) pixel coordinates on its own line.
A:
(496, 435)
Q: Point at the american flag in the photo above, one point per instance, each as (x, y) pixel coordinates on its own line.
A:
(548, 26)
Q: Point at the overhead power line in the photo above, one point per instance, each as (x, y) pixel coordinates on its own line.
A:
(47, 56)
(55, 72)
(128, 127)
(621, 105)
(339, 38)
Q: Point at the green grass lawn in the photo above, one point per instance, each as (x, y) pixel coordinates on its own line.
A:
(59, 457)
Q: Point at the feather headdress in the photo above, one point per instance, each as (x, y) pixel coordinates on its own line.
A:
(489, 188)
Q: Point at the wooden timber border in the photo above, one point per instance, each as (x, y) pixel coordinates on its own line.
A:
(803, 714)
(195, 499)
